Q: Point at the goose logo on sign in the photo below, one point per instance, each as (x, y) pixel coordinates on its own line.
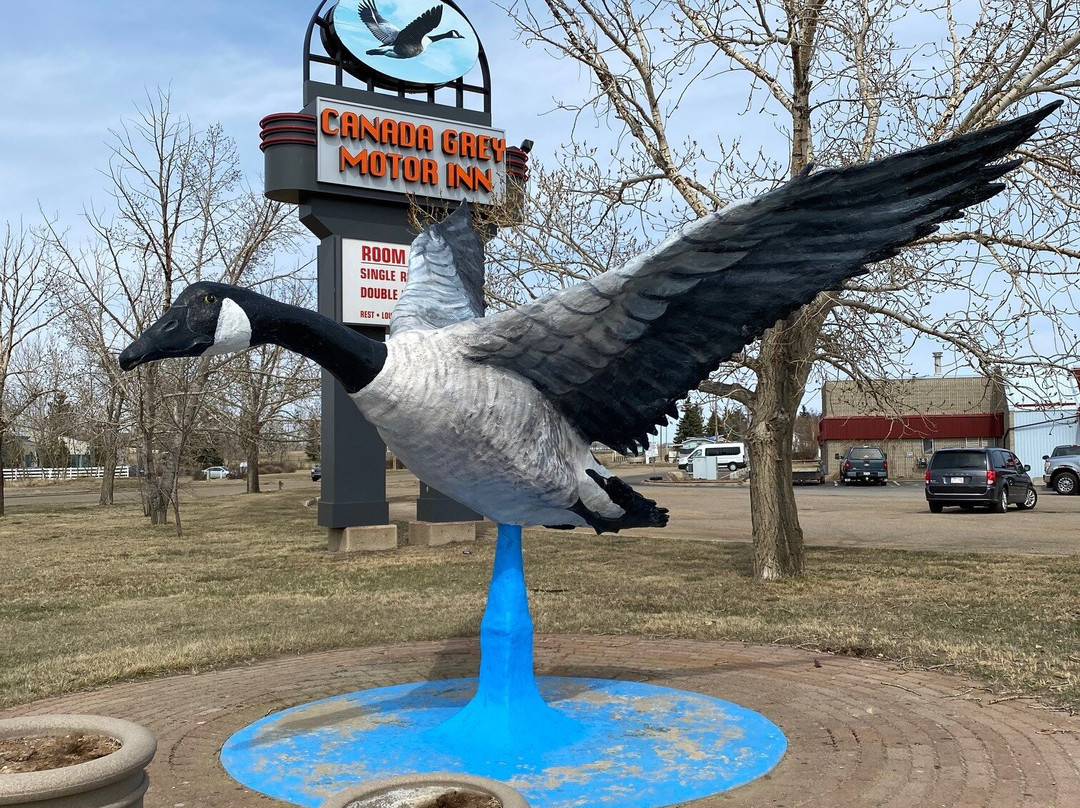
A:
(412, 42)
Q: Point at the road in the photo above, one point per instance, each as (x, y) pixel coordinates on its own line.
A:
(893, 516)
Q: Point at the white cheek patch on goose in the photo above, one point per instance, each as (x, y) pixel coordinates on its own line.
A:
(233, 330)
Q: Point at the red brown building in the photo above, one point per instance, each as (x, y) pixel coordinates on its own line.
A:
(911, 418)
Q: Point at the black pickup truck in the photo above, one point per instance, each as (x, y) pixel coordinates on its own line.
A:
(864, 464)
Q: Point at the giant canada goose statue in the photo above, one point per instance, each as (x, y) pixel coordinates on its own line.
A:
(499, 411)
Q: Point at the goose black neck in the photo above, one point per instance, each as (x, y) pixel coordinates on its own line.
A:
(353, 359)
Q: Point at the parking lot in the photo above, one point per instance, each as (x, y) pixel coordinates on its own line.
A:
(874, 516)
(831, 515)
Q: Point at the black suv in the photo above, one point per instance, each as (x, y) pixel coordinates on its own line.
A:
(970, 477)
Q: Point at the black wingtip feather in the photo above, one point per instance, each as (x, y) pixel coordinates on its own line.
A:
(1033, 119)
(1003, 137)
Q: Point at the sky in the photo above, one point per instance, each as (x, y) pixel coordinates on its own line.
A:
(72, 70)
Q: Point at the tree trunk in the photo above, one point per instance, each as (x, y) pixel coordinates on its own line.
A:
(253, 469)
(111, 443)
(249, 431)
(158, 505)
(252, 427)
(172, 484)
(784, 365)
(108, 479)
(157, 498)
(143, 470)
(778, 538)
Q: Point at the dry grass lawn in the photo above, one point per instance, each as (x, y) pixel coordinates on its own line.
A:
(91, 596)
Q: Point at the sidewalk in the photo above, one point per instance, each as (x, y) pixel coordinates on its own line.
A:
(860, 733)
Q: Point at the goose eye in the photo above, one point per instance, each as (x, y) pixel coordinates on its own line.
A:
(209, 299)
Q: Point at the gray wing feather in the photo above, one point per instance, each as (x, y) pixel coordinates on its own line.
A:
(446, 276)
(615, 353)
(379, 26)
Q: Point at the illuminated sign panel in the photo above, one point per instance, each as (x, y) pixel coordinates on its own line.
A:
(378, 149)
(411, 43)
(373, 278)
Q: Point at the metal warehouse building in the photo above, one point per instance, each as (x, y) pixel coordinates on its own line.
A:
(1033, 432)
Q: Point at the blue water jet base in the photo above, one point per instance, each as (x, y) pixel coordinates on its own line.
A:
(637, 745)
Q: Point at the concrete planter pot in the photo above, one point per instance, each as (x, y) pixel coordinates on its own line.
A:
(414, 790)
(117, 780)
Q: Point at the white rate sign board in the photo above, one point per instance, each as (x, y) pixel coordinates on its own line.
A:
(373, 276)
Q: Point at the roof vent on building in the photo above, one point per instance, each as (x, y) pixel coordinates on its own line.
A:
(937, 363)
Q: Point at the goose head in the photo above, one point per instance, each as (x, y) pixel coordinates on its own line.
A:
(452, 34)
(205, 319)
(215, 318)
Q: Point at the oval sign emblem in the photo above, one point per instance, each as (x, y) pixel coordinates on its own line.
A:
(414, 42)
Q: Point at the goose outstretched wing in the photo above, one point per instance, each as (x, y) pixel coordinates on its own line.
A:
(615, 353)
(379, 26)
(415, 31)
(446, 276)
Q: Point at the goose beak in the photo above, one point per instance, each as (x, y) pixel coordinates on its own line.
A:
(169, 336)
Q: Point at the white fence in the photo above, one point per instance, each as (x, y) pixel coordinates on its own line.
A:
(62, 474)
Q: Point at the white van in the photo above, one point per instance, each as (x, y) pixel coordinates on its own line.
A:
(731, 456)
(687, 447)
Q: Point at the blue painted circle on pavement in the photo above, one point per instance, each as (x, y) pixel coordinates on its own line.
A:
(644, 746)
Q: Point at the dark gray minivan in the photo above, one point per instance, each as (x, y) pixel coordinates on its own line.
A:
(970, 477)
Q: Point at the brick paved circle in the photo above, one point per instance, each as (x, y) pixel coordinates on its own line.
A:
(860, 733)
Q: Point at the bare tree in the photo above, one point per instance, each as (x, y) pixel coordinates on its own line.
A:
(843, 83)
(27, 287)
(94, 337)
(180, 213)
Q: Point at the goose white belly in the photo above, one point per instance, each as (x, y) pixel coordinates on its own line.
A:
(481, 435)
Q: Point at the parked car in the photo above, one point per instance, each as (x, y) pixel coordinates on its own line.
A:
(864, 464)
(316, 473)
(216, 473)
(970, 477)
(1061, 469)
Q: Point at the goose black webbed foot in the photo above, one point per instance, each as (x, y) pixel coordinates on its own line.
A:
(639, 511)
